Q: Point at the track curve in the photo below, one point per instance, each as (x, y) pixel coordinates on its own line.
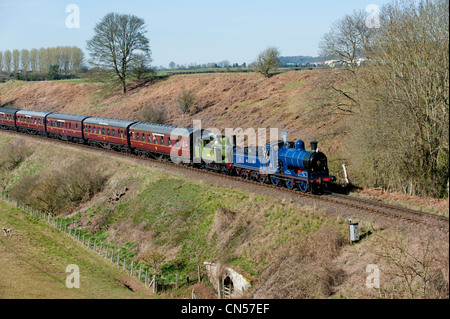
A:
(373, 206)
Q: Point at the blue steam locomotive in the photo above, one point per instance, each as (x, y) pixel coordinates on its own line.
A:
(282, 163)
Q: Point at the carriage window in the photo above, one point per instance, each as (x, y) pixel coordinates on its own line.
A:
(113, 132)
(95, 130)
(155, 139)
(89, 129)
(170, 142)
(162, 140)
(103, 131)
(107, 131)
(143, 137)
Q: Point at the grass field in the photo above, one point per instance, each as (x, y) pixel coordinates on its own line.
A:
(34, 259)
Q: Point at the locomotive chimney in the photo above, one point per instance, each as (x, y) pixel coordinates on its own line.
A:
(313, 146)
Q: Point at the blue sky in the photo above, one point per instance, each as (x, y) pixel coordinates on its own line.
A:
(194, 31)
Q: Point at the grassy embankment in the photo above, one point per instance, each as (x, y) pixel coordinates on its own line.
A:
(187, 222)
(35, 257)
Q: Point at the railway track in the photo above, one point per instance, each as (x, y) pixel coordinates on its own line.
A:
(373, 206)
(391, 210)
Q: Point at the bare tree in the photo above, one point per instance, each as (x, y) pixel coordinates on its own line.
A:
(406, 109)
(185, 100)
(25, 60)
(77, 57)
(43, 61)
(346, 44)
(118, 40)
(65, 59)
(348, 40)
(139, 67)
(34, 60)
(268, 61)
(16, 60)
(154, 258)
(7, 56)
(1, 61)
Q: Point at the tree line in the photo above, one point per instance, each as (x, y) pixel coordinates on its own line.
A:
(34, 64)
(399, 102)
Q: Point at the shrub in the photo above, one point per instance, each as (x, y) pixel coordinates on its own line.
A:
(58, 191)
(155, 115)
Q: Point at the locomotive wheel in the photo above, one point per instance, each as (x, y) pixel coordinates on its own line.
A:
(254, 176)
(290, 184)
(275, 181)
(303, 186)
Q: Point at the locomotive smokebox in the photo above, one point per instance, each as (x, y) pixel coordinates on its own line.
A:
(313, 146)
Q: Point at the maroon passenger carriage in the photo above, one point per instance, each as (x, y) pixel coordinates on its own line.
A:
(8, 118)
(160, 141)
(107, 133)
(32, 122)
(67, 127)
